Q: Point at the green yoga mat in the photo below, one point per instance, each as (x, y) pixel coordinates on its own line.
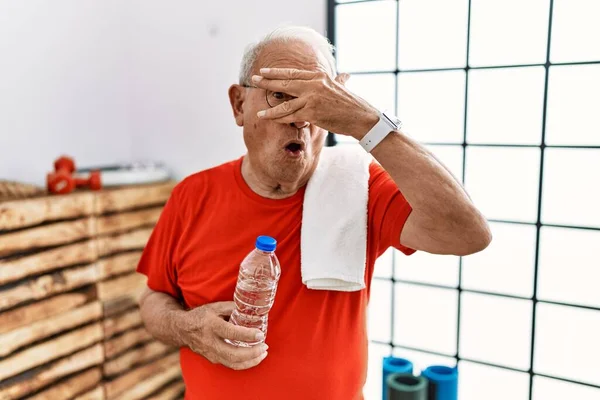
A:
(406, 387)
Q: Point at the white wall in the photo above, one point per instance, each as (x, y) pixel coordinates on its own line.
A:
(186, 57)
(63, 85)
(112, 80)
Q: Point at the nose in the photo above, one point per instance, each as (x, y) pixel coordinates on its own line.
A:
(300, 124)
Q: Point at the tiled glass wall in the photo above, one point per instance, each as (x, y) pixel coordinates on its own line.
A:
(506, 93)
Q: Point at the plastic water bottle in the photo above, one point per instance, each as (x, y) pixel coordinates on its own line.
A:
(256, 286)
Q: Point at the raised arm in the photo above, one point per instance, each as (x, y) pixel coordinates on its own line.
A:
(443, 218)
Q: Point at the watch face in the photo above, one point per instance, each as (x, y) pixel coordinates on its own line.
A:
(393, 119)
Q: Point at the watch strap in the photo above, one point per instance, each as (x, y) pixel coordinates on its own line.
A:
(382, 128)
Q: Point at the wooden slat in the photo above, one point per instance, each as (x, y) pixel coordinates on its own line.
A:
(23, 213)
(50, 350)
(47, 285)
(118, 306)
(94, 394)
(131, 285)
(116, 387)
(126, 241)
(135, 356)
(126, 221)
(151, 384)
(133, 197)
(119, 264)
(80, 383)
(13, 340)
(48, 308)
(19, 268)
(46, 236)
(53, 372)
(171, 392)
(12, 190)
(121, 323)
(127, 340)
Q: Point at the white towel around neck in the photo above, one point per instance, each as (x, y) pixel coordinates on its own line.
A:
(334, 221)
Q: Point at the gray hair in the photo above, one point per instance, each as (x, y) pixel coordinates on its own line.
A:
(286, 34)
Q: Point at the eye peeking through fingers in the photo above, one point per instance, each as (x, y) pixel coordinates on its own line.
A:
(276, 98)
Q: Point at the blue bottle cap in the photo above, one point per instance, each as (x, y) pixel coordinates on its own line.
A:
(266, 243)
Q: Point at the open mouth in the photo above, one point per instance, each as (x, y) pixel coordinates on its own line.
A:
(294, 148)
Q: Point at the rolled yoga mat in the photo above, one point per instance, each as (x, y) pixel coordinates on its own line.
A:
(394, 365)
(406, 387)
(443, 382)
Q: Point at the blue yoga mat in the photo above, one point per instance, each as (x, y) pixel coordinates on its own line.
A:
(443, 382)
(394, 365)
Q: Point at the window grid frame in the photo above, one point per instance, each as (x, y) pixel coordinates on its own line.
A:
(331, 141)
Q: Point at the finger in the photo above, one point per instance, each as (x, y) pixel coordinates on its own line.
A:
(289, 86)
(282, 110)
(227, 330)
(288, 73)
(250, 363)
(292, 118)
(223, 308)
(230, 354)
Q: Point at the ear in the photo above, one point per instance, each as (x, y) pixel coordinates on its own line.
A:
(237, 95)
(342, 78)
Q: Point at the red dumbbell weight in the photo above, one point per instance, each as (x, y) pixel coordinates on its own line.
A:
(64, 163)
(61, 181)
(93, 182)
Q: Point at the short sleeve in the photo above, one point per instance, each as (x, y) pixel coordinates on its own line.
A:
(388, 210)
(157, 260)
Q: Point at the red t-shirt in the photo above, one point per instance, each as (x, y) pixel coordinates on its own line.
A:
(317, 339)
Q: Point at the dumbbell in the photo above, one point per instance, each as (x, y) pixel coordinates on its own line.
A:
(64, 163)
(93, 182)
(62, 181)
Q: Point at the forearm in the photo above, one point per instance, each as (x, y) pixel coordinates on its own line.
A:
(425, 183)
(441, 207)
(162, 316)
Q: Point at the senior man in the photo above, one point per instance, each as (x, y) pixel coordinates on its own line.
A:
(287, 98)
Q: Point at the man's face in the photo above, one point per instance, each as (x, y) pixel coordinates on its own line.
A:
(284, 152)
